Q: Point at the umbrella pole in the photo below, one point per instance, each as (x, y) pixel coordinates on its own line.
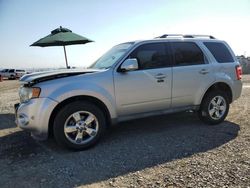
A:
(65, 54)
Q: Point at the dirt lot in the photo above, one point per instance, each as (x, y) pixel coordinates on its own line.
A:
(165, 151)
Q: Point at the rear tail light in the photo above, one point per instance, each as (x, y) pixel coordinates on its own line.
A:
(238, 70)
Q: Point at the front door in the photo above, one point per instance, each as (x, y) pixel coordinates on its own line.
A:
(148, 88)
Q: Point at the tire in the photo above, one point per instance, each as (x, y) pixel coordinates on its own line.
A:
(214, 107)
(79, 125)
(12, 77)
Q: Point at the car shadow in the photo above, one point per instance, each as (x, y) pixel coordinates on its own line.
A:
(127, 147)
(7, 121)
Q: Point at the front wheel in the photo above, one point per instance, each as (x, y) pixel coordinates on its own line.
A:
(12, 77)
(79, 125)
(214, 107)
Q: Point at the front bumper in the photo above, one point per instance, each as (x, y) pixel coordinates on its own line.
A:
(34, 116)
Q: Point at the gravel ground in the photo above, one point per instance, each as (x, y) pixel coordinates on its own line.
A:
(164, 151)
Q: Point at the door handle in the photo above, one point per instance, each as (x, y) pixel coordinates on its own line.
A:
(160, 76)
(204, 71)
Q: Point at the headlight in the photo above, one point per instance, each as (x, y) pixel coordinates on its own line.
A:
(27, 93)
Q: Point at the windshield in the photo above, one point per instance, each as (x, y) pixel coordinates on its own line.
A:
(110, 57)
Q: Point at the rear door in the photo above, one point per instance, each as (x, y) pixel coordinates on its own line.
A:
(149, 88)
(192, 73)
(11, 73)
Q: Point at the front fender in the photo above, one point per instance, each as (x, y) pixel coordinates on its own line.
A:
(90, 89)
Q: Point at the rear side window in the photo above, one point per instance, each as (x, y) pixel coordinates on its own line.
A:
(220, 52)
(187, 53)
(151, 56)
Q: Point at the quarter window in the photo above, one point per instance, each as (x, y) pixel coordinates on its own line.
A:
(220, 52)
(187, 53)
(150, 56)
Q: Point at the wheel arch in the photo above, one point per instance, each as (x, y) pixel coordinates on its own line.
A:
(221, 86)
(91, 99)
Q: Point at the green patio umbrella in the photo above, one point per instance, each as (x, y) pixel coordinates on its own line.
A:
(61, 37)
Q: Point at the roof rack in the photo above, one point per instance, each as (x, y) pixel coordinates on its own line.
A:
(186, 36)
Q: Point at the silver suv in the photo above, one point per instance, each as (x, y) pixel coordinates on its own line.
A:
(132, 80)
(12, 74)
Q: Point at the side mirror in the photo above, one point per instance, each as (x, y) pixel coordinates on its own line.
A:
(129, 65)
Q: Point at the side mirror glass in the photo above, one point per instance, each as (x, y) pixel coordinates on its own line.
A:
(129, 65)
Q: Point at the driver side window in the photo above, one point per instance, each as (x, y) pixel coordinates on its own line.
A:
(151, 56)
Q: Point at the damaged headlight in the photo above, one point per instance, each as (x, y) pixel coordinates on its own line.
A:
(27, 93)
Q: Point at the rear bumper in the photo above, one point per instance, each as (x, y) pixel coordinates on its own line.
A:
(236, 89)
(34, 115)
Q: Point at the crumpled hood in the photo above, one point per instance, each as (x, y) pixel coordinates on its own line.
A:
(37, 77)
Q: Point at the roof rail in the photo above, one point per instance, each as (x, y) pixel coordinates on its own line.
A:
(186, 36)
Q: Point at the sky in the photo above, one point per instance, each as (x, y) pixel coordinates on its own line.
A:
(109, 22)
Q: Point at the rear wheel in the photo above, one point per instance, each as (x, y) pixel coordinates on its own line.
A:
(79, 125)
(214, 107)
